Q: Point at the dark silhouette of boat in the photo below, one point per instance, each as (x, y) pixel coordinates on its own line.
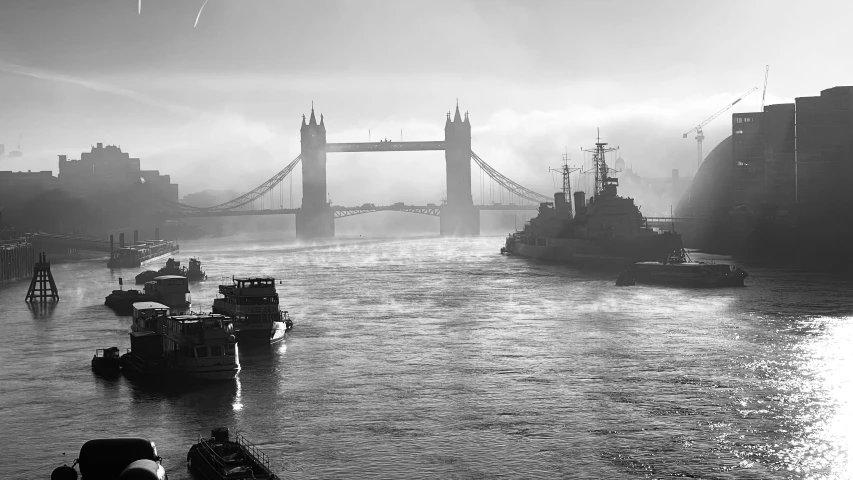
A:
(220, 458)
(607, 230)
(115, 459)
(107, 361)
(121, 301)
(173, 267)
(678, 270)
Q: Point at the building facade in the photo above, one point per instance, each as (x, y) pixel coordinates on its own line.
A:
(108, 169)
(796, 153)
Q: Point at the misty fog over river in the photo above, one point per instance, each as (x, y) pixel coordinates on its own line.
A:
(441, 358)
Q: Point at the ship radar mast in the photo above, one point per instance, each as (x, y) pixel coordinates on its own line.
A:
(565, 171)
(604, 184)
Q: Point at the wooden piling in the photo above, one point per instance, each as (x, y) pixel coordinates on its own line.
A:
(42, 286)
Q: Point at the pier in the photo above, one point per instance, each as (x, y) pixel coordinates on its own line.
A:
(17, 257)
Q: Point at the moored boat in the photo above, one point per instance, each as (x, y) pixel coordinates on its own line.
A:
(688, 274)
(141, 252)
(253, 305)
(106, 361)
(219, 458)
(121, 301)
(146, 355)
(606, 230)
(173, 267)
(680, 271)
(115, 459)
(201, 346)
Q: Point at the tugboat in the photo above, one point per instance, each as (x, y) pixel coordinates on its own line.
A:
(220, 458)
(195, 273)
(106, 361)
(115, 459)
(201, 346)
(173, 267)
(252, 302)
(680, 271)
(609, 229)
(146, 357)
(121, 301)
(170, 290)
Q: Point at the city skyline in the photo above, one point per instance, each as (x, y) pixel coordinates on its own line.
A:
(232, 90)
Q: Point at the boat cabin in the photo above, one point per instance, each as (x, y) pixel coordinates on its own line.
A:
(149, 316)
(201, 335)
(263, 288)
(170, 290)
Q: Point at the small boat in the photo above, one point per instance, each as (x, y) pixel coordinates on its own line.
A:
(170, 290)
(201, 346)
(679, 270)
(121, 301)
(252, 302)
(195, 273)
(219, 458)
(115, 459)
(172, 268)
(106, 361)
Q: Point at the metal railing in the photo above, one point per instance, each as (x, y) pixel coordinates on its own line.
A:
(250, 452)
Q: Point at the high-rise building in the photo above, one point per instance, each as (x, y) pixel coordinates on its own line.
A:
(796, 153)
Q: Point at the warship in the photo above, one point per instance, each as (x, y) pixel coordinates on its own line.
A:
(606, 230)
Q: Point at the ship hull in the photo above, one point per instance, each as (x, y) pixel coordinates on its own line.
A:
(259, 333)
(688, 275)
(597, 252)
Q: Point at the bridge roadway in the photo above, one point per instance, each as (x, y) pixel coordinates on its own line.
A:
(430, 209)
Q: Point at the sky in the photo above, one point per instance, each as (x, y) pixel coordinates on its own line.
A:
(218, 105)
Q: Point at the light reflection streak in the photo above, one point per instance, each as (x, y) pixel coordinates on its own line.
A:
(238, 398)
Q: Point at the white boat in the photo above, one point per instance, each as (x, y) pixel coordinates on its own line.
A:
(172, 291)
(252, 302)
(201, 346)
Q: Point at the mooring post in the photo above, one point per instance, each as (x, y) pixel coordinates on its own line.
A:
(42, 286)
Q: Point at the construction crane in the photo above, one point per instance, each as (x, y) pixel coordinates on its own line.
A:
(698, 128)
(766, 74)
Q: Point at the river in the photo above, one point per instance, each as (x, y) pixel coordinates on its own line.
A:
(441, 358)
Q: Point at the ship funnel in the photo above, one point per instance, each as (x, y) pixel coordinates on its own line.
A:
(121, 240)
(563, 208)
(580, 203)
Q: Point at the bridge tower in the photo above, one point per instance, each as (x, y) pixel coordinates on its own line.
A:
(458, 215)
(315, 219)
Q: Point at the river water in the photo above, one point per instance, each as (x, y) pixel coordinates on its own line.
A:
(440, 358)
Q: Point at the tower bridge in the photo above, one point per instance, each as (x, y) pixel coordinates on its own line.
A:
(316, 217)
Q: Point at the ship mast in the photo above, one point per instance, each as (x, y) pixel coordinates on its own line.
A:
(565, 171)
(599, 163)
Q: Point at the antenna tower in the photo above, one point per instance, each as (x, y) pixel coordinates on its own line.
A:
(565, 171)
(599, 163)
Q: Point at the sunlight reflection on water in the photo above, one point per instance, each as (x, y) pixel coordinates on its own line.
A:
(440, 358)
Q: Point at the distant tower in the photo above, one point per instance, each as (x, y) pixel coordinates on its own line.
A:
(458, 215)
(315, 219)
(620, 164)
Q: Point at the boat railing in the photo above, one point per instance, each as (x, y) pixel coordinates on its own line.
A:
(250, 450)
(257, 455)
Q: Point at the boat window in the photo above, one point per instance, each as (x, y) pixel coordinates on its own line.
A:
(215, 350)
(229, 350)
(201, 352)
